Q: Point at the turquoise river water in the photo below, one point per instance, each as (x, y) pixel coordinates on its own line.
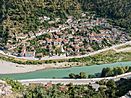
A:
(64, 72)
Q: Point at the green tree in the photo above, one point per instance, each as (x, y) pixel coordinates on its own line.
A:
(72, 75)
(106, 72)
(82, 75)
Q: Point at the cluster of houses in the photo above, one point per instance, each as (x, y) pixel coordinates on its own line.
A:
(75, 37)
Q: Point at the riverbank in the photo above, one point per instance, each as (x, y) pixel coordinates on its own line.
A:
(8, 67)
(13, 68)
(75, 81)
(11, 65)
(64, 72)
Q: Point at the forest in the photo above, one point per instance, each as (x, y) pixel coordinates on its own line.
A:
(118, 11)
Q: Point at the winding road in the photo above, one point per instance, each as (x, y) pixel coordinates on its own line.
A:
(69, 57)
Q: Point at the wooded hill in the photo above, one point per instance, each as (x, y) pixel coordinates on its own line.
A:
(119, 11)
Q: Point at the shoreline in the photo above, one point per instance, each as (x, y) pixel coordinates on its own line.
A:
(74, 81)
(8, 68)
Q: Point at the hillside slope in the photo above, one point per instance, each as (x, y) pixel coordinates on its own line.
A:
(23, 15)
(117, 10)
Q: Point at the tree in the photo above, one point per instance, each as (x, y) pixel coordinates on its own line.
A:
(72, 75)
(111, 88)
(129, 70)
(120, 70)
(106, 72)
(111, 83)
(82, 75)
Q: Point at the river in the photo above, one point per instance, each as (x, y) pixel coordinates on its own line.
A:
(64, 72)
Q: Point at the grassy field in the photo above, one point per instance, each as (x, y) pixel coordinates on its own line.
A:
(104, 57)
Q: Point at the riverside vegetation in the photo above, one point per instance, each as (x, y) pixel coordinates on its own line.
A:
(106, 72)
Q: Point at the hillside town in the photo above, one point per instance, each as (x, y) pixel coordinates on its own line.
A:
(65, 49)
(73, 38)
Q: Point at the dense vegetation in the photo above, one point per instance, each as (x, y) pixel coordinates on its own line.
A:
(80, 75)
(106, 72)
(16, 86)
(119, 11)
(71, 91)
(107, 89)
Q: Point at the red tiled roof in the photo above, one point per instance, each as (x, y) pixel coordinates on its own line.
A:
(49, 40)
(65, 40)
(48, 85)
(58, 40)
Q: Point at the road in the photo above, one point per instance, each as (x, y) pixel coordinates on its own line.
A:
(69, 57)
(74, 81)
(90, 54)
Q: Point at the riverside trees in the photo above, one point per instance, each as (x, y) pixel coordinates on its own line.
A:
(81, 75)
(106, 72)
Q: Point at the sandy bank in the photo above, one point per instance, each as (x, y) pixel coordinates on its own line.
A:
(10, 68)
